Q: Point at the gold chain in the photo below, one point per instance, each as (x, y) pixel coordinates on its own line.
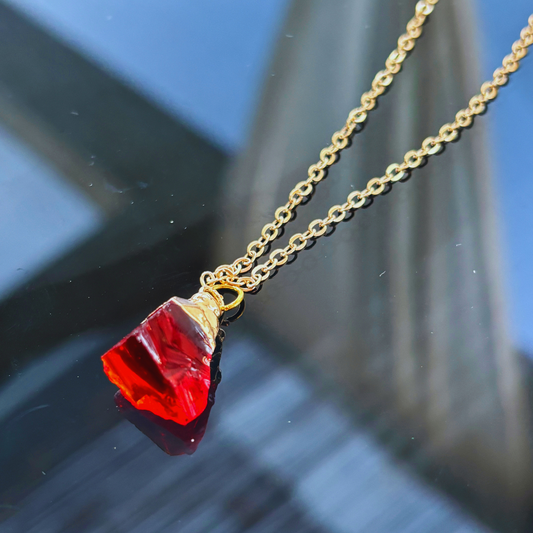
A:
(232, 274)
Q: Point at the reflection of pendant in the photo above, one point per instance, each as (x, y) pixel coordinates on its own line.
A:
(162, 366)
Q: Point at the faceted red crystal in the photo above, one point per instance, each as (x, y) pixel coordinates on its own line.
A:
(162, 366)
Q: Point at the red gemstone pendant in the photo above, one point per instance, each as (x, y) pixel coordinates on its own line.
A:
(162, 366)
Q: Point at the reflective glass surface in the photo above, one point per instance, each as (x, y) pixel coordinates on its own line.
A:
(380, 382)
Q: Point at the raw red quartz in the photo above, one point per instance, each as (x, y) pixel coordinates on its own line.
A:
(162, 366)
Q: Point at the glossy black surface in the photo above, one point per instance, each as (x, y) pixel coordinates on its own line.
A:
(381, 382)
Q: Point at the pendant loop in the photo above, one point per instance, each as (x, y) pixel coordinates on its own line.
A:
(213, 290)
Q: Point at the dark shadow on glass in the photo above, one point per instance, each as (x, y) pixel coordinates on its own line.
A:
(227, 319)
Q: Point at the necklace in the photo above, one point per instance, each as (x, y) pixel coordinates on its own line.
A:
(164, 365)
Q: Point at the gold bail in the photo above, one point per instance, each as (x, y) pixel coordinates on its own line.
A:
(213, 291)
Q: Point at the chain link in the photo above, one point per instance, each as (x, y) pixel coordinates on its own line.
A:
(232, 274)
(328, 156)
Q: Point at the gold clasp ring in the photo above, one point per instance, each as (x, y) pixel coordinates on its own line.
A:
(213, 290)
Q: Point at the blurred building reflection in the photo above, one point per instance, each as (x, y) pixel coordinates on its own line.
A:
(280, 458)
(403, 305)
